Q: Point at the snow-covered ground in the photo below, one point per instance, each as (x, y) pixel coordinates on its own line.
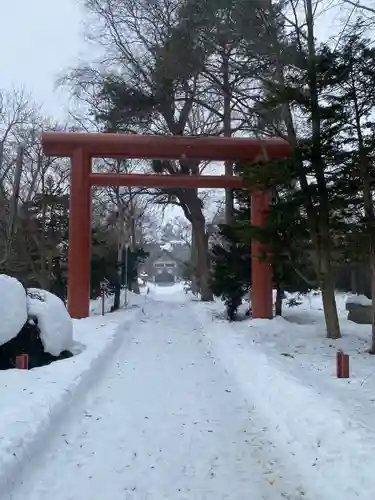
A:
(34, 401)
(288, 369)
(298, 343)
(96, 306)
(188, 406)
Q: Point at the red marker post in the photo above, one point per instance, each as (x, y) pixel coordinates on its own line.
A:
(22, 362)
(342, 364)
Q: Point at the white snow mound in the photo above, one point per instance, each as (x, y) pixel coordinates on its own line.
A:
(167, 247)
(13, 311)
(361, 300)
(54, 321)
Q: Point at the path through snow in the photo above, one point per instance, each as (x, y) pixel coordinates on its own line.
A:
(166, 422)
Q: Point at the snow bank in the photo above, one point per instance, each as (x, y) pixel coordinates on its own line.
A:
(360, 300)
(54, 321)
(13, 311)
(167, 247)
(286, 368)
(36, 400)
(126, 297)
(335, 459)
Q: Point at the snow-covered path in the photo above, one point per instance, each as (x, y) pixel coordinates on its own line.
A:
(165, 422)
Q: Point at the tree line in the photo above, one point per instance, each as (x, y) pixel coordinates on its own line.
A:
(233, 67)
(34, 209)
(240, 68)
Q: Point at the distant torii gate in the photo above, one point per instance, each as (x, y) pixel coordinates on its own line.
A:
(82, 147)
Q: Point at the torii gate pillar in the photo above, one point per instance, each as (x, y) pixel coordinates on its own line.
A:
(79, 253)
(261, 268)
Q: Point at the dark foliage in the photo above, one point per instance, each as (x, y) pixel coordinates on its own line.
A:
(28, 341)
(104, 265)
(231, 272)
(231, 266)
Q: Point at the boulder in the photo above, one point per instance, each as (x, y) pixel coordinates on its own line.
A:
(28, 341)
(359, 312)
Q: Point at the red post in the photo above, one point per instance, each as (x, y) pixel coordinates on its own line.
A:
(261, 270)
(22, 362)
(79, 236)
(342, 364)
(345, 366)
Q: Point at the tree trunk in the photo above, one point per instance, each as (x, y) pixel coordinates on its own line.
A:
(135, 287)
(201, 243)
(13, 205)
(117, 296)
(194, 264)
(135, 284)
(353, 279)
(323, 238)
(279, 301)
(328, 296)
(192, 206)
(227, 125)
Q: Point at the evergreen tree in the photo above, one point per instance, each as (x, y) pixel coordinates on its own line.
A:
(289, 249)
(313, 181)
(354, 70)
(231, 262)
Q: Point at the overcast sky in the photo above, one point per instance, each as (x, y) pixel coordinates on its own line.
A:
(39, 39)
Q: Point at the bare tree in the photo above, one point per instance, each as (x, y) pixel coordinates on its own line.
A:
(18, 121)
(35, 196)
(128, 211)
(16, 113)
(144, 84)
(361, 5)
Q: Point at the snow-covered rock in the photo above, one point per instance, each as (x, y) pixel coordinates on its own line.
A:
(360, 309)
(360, 300)
(13, 311)
(168, 247)
(54, 321)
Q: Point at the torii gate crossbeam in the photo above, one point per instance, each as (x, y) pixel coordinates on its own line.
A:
(82, 147)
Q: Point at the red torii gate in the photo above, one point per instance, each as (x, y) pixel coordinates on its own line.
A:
(82, 147)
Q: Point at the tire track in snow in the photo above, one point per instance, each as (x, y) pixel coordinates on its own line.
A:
(165, 422)
(271, 461)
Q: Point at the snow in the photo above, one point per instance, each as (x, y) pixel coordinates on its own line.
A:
(13, 312)
(287, 368)
(54, 321)
(36, 401)
(361, 300)
(96, 305)
(169, 400)
(168, 247)
(177, 242)
(165, 422)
